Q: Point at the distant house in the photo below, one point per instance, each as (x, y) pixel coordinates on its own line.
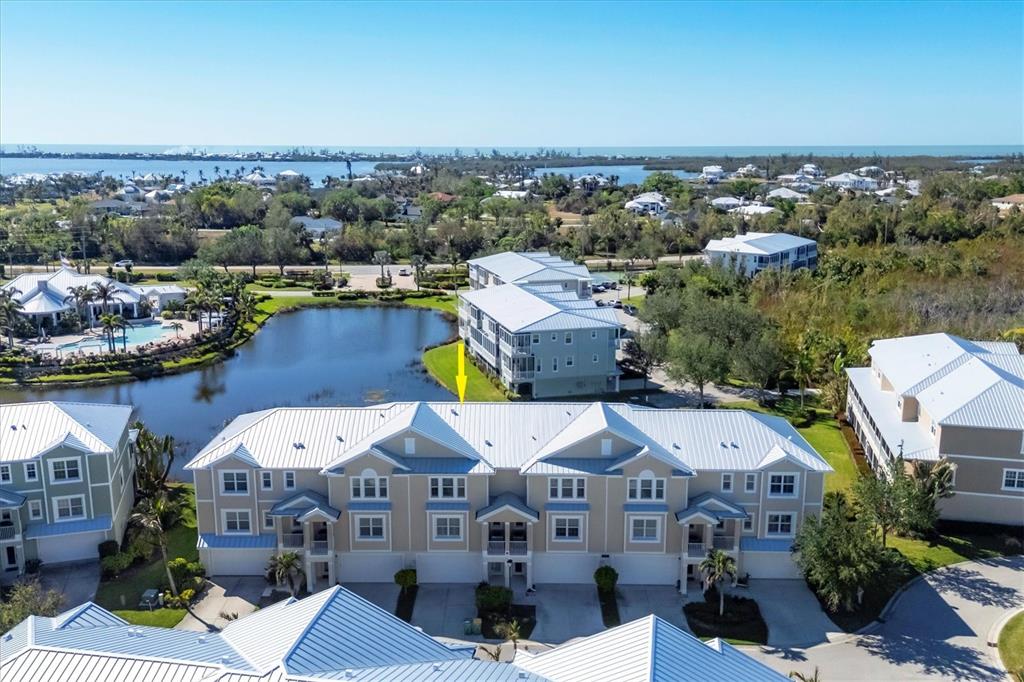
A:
(752, 252)
(649, 203)
(726, 203)
(317, 226)
(43, 296)
(130, 193)
(752, 209)
(258, 178)
(749, 171)
(1008, 203)
(787, 194)
(511, 194)
(159, 295)
(443, 197)
(114, 206)
(158, 196)
(712, 174)
(811, 169)
(870, 171)
(852, 181)
(533, 267)
(289, 175)
(591, 180)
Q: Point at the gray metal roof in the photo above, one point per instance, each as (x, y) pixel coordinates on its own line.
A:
(538, 266)
(29, 429)
(530, 309)
(757, 243)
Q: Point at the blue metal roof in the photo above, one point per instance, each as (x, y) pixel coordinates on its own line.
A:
(511, 501)
(11, 499)
(237, 541)
(644, 507)
(369, 506)
(712, 505)
(302, 503)
(766, 544)
(567, 506)
(45, 530)
(448, 506)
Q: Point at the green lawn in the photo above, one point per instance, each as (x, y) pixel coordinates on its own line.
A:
(927, 555)
(122, 595)
(446, 304)
(442, 363)
(1011, 644)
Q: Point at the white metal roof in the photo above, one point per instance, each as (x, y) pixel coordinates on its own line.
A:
(758, 243)
(786, 193)
(522, 267)
(530, 308)
(29, 429)
(41, 292)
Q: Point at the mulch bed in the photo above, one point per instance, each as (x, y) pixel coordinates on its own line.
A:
(406, 602)
(525, 614)
(609, 608)
(741, 621)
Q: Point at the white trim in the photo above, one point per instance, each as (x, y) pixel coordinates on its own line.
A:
(1019, 476)
(579, 517)
(575, 482)
(792, 524)
(54, 481)
(752, 518)
(646, 475)
(234, 493)
(631, 518)
(747, 478)
(731, 477)
(461, 518)
(1005, 497)
(56, 514)
(783, 496)
(265, 475)
(224, 521)
(39, 505)
(294, 480)
(9, 471)
(385, 529)
(990, 459)
(440, 486)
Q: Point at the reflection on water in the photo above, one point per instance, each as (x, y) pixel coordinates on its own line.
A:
(347, 356)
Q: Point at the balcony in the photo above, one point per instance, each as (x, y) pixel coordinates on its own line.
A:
(728, 543)
(291, 540)
(515, 547)
(695, 548)
(7, 533)
(319, 547)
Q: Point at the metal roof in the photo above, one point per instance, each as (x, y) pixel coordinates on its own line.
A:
(507, 501)
(909, 437)
(447, 506)
(302, 503)
(757, 243)
(709, 504)
(529, 309)
(45, 530)
(522, 267)
(10, 499)
(30, 429)
(265, 541)
(55, 286)
(752, 544)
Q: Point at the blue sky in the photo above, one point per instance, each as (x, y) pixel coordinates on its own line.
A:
(528, 74)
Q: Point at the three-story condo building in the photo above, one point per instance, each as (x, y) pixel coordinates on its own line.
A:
(750, 253)
(516, 493)
(937, 396)
(533, 267)
(67, 481)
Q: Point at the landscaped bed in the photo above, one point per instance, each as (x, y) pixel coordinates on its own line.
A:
(498, 614)
(1011, 645)
(741, 623)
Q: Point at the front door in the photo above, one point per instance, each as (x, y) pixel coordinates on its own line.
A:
(10, 558)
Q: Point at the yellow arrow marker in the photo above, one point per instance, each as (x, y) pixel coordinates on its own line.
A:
(460, 377)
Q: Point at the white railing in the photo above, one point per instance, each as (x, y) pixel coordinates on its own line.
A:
(318, 547)
(517, 547)
(496, 547)
(291, 540)
(7, 533)
(723, 542)
(695, 548)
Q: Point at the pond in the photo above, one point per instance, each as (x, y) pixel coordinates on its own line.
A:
(315, 357)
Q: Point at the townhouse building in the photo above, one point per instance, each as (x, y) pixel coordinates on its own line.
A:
(938, 396)
(67, 481)
(529, 268)
(515, 493)
(748, 254)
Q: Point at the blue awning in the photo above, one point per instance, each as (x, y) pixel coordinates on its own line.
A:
(369, 506)
(447, 506)
(302, 504)
(10, 499)
(213, 541)
(567, 506)
(643, 507)
(511, 502)
(46, 530)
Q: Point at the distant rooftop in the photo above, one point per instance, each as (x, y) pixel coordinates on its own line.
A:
(758, 243)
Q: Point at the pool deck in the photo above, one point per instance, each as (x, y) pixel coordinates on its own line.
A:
(100, 346)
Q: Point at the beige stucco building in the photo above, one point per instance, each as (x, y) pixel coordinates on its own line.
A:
(938, 396)
(513, 493)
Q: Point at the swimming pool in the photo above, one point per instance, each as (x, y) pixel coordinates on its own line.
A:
(137, 335)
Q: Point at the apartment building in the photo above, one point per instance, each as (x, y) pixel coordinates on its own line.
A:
(515, 493)
(335, 635)
(750, 253)
(67, 481)
(939, 396)
(529, 268)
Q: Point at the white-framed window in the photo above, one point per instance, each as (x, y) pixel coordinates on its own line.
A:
(31, 471)
(782, 485)
(35, 510)
(554, 364)
(67, 470)
(448, 487)
(748, 523)
(570, 360)
(234, 482)
(568, 338)
(750, 483)
(645, 529)
(567, 529)
(69, 508)
(606, 447)
(289, 480)
(727, 483)
(593, 333)
(1013, 479)
(645, 487)
(447, 528)
(567, 488)
(781, 523)
(594, 358)
(237, 521)
(5, 473)
(410, 446)
(369, 485)
(535, 339)
(267, 480)
(268, 521)
(370, 528)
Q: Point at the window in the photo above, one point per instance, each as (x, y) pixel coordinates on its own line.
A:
(234, 482)
(289, 480)
(535, 338)
(267, 480)
(65, 470)
(748, 523)
(410, 446)
(1013, 479)
(447, 527)
(237, 521)
(5, 473)
(593, 334)
(594, 358)
(371, 527)
(31, 471)
(567, 528)
(780, 524)
(369, 486)
(782, 485)
(554, 364)
(448, 487)
(68, 508)
(35, 510)
(554, 337)
(268, 521)
(567, 488)
(644, 530)
(606, 447)
(568, 338)
(570, 360)
(646, 487)
(750, 483)
(726, 483)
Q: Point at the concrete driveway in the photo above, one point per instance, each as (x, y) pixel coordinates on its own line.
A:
(664, 601)
(937, 629)
(231, 595)
(791, 612)
(565, 612)
(77, 582)
(442, 609)
(384, 595)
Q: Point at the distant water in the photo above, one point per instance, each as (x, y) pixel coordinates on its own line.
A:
(976, 150)
(626, 174)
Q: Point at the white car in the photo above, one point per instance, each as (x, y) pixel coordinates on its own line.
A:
(404, 272)
(123, 264)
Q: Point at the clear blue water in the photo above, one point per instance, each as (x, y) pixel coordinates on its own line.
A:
(343, 356)
(626, 174)
(135, 336)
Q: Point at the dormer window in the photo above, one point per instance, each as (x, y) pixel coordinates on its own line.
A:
(606, 447)
(646, 487)
(410, 446)
(369, 485)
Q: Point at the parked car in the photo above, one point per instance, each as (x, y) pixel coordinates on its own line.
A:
(404, 272)
(123, 264)
(629, 309)
(617, 304)
(600, 303)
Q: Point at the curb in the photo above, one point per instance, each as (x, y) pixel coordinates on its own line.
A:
(993, 635)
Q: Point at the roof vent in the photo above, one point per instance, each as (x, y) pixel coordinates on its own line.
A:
(298, 446)
(676, 446)
(722, 443)
(8, 637)
(437, 667)
(488, 443)
(340, 439)
(523, 674)
(225, 659)
(349, 675)
(733, 443)
(455, 412)
(14, 427)
(201, 639)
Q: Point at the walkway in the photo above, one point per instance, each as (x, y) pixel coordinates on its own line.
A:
(938, 629)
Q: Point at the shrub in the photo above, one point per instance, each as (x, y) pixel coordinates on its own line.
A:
(493, 599)
(108, 548)
(32, 566)
(405, 578)
(167, 314)
(183, 599)
(166, 277)
(185, 571)
(606, 578)
(112, 566)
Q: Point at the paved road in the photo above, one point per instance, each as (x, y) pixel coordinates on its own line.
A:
(938, 629)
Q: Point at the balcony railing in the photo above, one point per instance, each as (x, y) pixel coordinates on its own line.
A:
(723, 542)
(515, 547)
(291, 540)
(496, 547)
(7, 532)
(318, 547)
(695, 548)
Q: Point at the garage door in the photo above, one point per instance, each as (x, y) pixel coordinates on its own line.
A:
(460, 567)
(369, 567)
(552, 567)
(235, 561)
(636, 569)
(63, 548)
(778, 565)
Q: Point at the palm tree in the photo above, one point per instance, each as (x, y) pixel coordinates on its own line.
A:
(803, 367)
(716, 567)
(287, 568)
(10, 308)
(103, 292)
(109, 324)
(800, 677)
(177, 327)
(195, 303)
(123, 325)
(81, 296)
(419, 264)
(381, 258)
